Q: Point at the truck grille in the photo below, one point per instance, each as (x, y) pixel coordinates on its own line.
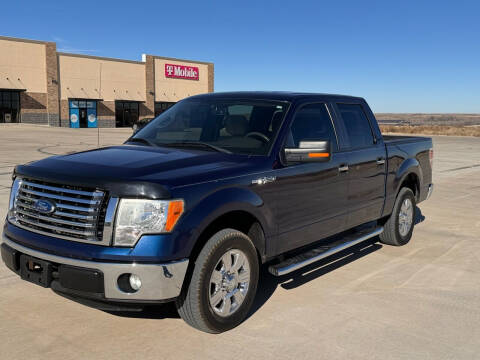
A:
(63, 211)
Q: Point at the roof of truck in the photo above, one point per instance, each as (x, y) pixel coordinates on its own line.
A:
(275, 95)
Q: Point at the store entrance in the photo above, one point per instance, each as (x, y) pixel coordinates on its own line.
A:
(83, 117)
(9, 106)
(83, 113)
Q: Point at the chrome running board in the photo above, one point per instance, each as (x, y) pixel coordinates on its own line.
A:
(298, 261)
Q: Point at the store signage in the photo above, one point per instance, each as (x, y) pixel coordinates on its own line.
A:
(181, 72)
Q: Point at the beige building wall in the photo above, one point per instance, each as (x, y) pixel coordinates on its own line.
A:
(101, 78)
(23, 65)
(172, 89)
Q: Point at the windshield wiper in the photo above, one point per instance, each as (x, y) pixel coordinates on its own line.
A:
(196, 144)
(141, 140)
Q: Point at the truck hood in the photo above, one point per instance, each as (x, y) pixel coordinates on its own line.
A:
(136, 170)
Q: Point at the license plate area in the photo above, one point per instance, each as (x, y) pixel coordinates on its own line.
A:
(35, 270)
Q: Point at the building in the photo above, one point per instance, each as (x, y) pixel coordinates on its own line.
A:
(39, 85)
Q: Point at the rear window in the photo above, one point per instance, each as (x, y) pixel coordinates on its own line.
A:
(357, 125)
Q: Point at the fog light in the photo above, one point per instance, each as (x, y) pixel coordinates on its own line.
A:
(135, 282)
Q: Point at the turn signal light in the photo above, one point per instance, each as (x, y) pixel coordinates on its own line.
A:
(175, 210)
(318, 155)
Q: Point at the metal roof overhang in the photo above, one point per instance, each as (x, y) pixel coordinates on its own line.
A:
(11, 89)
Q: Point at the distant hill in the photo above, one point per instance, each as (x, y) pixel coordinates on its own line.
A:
(428, 119)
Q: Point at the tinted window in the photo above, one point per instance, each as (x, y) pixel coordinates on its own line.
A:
(237, 125)
(312, 122)
(357, 125)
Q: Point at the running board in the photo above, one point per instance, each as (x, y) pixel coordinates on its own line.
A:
(313, 255)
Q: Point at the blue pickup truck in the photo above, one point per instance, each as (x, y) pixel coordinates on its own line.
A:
(189, 208)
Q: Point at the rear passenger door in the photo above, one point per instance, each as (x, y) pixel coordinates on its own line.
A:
(366, 165)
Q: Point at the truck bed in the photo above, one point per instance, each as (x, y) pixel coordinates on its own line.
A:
(402, 139)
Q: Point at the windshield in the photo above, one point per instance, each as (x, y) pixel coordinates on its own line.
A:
(229, 125)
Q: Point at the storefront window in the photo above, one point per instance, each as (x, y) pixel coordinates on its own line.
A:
(9, 106)
(126, 113)
(160, 107)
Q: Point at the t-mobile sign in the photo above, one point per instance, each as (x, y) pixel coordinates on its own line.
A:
(181, 72)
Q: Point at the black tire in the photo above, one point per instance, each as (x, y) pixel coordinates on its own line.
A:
(193, 304)
(391, 233)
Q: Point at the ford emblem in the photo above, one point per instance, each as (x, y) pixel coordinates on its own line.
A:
(44, 206)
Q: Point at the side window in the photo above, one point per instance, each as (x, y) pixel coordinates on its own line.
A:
(311, 122)
(357, 125)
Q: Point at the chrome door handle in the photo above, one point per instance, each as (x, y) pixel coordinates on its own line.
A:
(380, 161)
(343, 168)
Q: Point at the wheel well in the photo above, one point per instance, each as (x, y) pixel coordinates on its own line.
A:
(239, 220)
(411, 182)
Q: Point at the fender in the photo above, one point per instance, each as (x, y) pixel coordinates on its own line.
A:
(224, 201)
(408, 166)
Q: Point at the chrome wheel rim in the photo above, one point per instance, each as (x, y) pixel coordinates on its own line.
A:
(405, 217)
(229, 282)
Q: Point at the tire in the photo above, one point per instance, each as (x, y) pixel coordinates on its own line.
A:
(197, 304)
(393, 232)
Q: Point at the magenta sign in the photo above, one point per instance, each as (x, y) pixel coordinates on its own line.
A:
(181, 72)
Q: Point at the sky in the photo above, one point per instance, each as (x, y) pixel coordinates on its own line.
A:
(401, 56)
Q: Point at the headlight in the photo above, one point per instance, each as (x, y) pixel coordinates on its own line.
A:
(136, 217)
(13, 198)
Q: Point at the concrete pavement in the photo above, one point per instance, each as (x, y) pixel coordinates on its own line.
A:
(420, 301)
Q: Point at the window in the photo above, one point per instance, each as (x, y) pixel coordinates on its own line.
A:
(239, 126)
(9, 106)
(357, 125)
(126, 113)
(311, 122)
(160, 107)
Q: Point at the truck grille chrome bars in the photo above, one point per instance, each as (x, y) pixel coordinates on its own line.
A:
(62, 211)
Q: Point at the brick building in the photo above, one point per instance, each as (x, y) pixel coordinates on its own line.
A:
(39, 85)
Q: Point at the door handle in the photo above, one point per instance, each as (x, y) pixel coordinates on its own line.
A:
(380, 161)
(343, 168)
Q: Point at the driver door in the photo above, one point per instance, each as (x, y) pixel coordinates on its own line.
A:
(311, 196)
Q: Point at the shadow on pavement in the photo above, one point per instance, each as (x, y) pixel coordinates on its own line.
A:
(418, 216)
(268, 283)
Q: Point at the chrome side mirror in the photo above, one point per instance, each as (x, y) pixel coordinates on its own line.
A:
(309, 151)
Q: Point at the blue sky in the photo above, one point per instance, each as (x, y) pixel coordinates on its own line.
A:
(402, 56)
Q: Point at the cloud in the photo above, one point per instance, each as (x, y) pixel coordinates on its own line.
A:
(76, 51)
(58, 39)
(64, 47)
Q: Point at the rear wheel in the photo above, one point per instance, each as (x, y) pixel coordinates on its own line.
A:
(399, 227)
(223, 283)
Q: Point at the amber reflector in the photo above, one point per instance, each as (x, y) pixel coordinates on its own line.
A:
(175, 210)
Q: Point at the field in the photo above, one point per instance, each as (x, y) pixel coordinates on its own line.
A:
(472, 130)
(428, 119)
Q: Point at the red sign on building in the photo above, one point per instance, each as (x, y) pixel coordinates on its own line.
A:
(181, 72)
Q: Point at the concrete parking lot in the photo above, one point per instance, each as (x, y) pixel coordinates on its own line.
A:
(419, 301)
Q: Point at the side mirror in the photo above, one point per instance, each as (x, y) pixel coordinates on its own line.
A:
(310, 151)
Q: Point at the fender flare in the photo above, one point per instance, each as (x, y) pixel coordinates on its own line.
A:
(409, 166)
(222, 202)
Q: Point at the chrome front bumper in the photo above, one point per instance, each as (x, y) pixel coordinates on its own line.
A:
(159, 281)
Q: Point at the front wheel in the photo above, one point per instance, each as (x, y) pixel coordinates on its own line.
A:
(398, 229)
(223, 284)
